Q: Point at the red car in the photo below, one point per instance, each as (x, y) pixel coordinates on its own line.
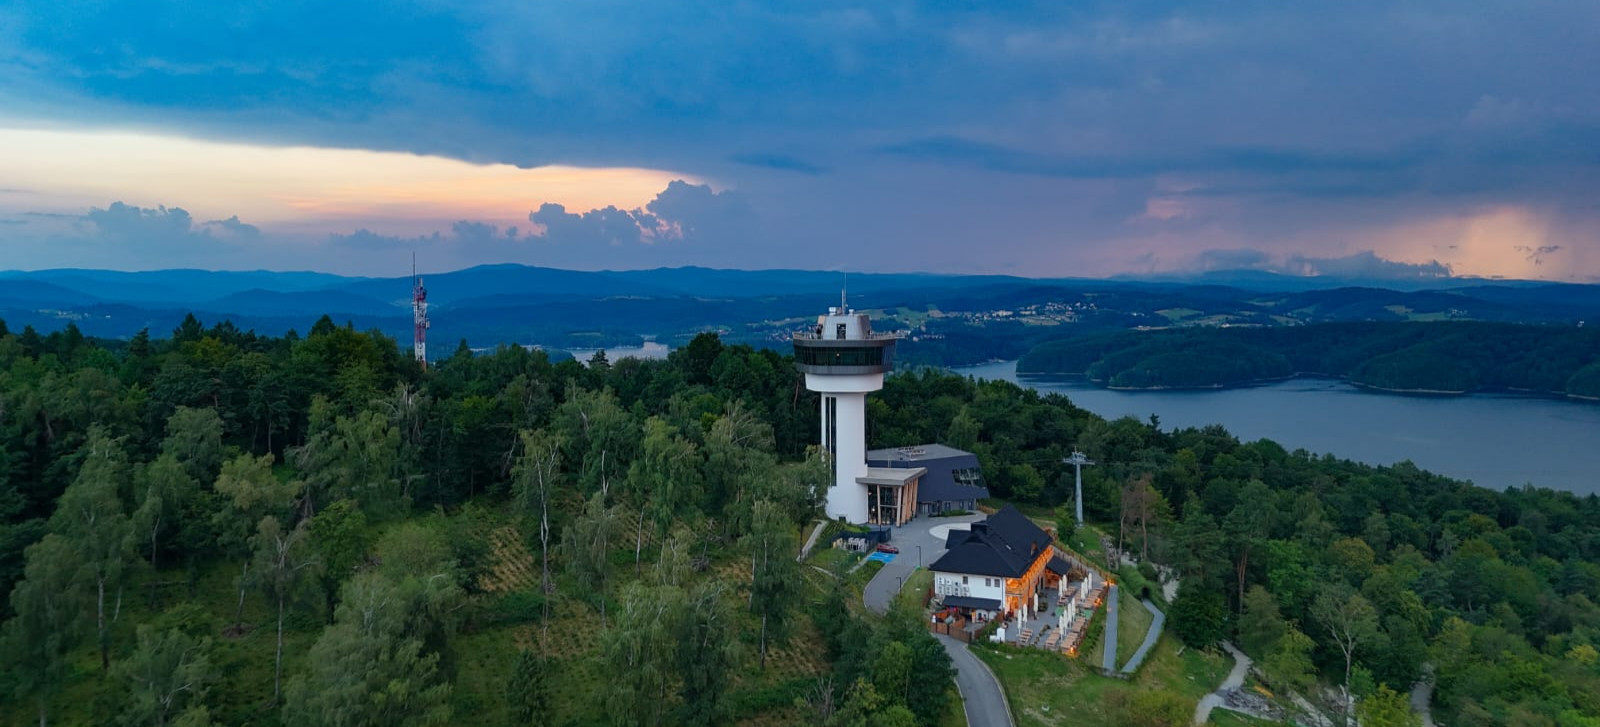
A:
(887, 548)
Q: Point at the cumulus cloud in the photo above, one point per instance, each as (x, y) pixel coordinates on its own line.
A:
(682, 212)
(125, 222)
(1365, 265)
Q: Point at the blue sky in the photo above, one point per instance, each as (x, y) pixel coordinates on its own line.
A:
(1042, 138)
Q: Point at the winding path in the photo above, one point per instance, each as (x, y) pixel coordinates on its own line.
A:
(981, 696)
(983, 699)
(1160, 621)
(1110, 661)
(1235, 680)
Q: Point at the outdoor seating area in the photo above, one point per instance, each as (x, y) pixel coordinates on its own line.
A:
(1062, 628)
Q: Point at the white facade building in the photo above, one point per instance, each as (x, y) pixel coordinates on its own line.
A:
(844, 361)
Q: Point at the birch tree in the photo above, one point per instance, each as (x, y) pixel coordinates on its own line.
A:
(167, 672)
(251, 492)
(1350, 619)
(91, 518)
(663, 481)
(775, 573)
(587, 546)
(535, 478)
(46, 624)
(284, 566)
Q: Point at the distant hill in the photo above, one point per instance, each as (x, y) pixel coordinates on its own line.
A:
(259, 302)
(175, 286)
(948, 319)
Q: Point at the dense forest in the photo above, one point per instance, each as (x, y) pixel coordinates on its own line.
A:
(226, 528)
(1442, 357)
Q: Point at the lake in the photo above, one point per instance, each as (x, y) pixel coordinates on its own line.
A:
(1494, 440)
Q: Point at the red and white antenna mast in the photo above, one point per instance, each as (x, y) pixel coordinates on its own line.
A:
(419, 315)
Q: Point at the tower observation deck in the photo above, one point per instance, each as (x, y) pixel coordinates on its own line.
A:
(844, 360)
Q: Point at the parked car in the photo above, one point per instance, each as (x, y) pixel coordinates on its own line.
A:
(887, 548)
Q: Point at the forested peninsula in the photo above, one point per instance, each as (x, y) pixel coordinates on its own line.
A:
(221, 527)
(1424, 357)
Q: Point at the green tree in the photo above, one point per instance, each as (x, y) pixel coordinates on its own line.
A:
(587, 545)
(91, 517)
(1288, 666)
(705, 653)
(285, 564)
(340, 540)
(640, 652)
(1260, 624)
(663, 481)
(166, 492)
(772, 548)
(36, 640)
(194, 438)
(527, 691)
(1199, 617)
(250, 492)
(361, 678)
(1247, 528)
(963, 431)
(357, 458)
(891, 672)
(1351, 622)
(1387, 708)
(534, 481)
(169, 673)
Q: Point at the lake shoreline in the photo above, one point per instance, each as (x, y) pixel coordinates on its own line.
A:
(1460, 436)
(1254, 383)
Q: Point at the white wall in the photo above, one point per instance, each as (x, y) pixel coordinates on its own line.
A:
(949, 584)
(847, 498)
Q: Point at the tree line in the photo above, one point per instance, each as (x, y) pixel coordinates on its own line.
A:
(1444, 356)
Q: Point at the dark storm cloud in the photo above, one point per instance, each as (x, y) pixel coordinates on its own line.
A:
(1096, 106)
(779, 162)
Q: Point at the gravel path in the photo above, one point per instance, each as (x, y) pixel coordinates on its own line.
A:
(1241, 667)
(1149, 637)
(1111, 629)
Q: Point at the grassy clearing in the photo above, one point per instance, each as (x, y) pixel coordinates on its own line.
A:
(1133, 622)
(916, 584)
(1046, 690)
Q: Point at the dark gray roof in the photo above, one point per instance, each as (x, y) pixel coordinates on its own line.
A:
(1003, 545)
(986, 604)
(956, 537)
(1058, 566)
(939, 484)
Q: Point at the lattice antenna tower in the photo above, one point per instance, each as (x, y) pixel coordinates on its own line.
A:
(419, 315)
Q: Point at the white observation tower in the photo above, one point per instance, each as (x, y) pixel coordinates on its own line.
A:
(843, 360)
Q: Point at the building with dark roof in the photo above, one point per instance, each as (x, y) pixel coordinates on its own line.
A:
(952, 480)
(998, 566)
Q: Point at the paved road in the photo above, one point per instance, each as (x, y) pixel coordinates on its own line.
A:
(1149, 637)
(881, 589)
(1111, 629)
(983, 700)
(1241, 666)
